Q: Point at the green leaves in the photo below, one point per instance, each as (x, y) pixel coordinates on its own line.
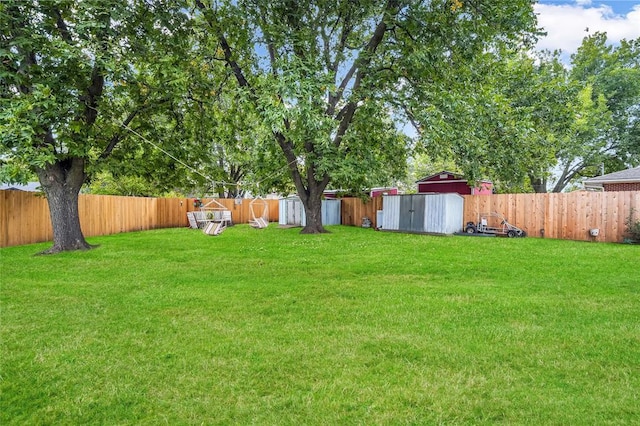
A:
(75, 72)
(244, 91)
(517, 117)
(329, 79)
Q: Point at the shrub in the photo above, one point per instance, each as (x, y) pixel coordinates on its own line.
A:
(633, 227)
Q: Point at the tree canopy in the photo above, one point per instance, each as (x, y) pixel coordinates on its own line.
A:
(75, 76)
(585, 114)
(327, 79)
(529, 121)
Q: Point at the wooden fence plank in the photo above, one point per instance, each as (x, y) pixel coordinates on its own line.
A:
(5, 210)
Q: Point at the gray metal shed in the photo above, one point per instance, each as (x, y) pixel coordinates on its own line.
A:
(292, 212)
(432, 213)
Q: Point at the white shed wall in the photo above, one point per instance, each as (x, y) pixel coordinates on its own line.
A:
(391, 212)
(443, 213)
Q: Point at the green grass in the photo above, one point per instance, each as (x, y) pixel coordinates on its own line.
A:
(353, 327)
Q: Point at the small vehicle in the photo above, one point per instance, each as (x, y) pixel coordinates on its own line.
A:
(494, 223)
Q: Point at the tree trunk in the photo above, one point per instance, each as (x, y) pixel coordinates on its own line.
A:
(313, 212)
(539, 184)
(61, 182)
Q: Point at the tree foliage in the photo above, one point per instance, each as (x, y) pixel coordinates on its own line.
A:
(592, 105)
(327, 78)
(613, 72)
(530, 122)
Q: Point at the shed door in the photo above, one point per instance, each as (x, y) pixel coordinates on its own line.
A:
(294, 208)
(412, 213)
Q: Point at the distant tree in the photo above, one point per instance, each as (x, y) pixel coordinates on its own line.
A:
(467, 117)
(544, 101)
(582, 116)
(613, 74)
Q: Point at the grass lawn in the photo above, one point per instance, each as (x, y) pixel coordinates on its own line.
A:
(353, 327)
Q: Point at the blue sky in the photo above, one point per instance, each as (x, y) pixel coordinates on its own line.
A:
(619, 7)
(567, 22)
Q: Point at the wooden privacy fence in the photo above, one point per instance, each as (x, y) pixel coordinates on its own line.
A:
(24, 216)
(567, 216)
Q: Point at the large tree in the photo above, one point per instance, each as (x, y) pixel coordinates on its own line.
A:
(75, 76)
(543, 98)
(583, 115)
(324, 75)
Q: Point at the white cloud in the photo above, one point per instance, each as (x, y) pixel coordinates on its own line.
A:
(566, 24)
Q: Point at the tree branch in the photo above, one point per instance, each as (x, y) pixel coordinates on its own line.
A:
(292, 163)
(62, 27)
(271, 49)
(284, 144)
(119, 135)
(94, 91)
(226, 48)
(363, 61)
(412, 118)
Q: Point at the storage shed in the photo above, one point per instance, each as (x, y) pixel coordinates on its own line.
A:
(448, 182)
(429, 213)
(292, 212)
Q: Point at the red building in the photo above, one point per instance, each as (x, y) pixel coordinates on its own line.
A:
(449, 182)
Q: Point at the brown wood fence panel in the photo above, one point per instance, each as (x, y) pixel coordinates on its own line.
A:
(104, 215)
(352, 210)
(172, 212)
(564, 216)
(24, 216)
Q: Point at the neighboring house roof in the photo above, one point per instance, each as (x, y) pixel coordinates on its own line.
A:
(30, 187)
(455, 175)
(623, 176)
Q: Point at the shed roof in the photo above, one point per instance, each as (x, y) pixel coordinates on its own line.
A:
(623, 176)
